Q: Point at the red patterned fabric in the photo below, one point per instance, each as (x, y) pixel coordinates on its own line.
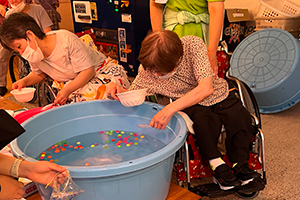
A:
(89, 32)
(200, 168)
(223, 62)
(4, 2)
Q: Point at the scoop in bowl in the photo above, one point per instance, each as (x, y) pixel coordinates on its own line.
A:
(132, 98)
(23, 95)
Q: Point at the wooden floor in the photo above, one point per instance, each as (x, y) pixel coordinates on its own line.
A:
(178, 193)
(175, 193)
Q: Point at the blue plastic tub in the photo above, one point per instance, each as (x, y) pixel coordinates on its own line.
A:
(269, 62)
(145, 178)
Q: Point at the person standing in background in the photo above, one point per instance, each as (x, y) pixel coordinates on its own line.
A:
(4, 53)
(35, 11)
(202, 18)
(50, 7)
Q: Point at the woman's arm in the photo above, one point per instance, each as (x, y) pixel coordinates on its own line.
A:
(202, 91)
(10, 188)
(112, 89)
(156, 15)
(81, 79)
(40, 172)
(30, 79)
(216, 14)
(5, 164)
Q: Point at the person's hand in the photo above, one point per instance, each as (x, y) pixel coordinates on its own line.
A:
(213, 62)
(44, 172)
(61, 97)
(112, 89)
(18, 85)
(10, 188)
(161, 119)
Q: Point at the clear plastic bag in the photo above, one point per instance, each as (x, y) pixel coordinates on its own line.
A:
(65, 189)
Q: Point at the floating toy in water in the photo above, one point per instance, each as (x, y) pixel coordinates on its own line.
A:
(82, 147)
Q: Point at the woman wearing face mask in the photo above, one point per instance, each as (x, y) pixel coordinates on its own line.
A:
(37, 12)
(59, 54)
(41, 17)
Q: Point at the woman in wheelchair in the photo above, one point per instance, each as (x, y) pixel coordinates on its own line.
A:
(180, 69)
(60, 54)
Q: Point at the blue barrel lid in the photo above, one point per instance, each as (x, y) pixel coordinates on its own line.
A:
(265, 58)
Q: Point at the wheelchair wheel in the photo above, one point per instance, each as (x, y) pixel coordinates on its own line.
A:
(16, 70)
(251, 195)
(251, 98)
(248, 97)
(19, 68)
(45, 93)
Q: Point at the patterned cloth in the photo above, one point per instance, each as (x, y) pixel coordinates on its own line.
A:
(50, 7)
(4, 3)
(194, 67)
(109, 71)
(53, 16)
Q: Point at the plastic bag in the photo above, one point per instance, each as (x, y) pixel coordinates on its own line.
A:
(66, 190)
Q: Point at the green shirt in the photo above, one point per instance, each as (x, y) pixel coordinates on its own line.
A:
(193, 6)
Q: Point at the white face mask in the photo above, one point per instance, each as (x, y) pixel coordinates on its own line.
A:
(168, 75)
(31, 55)
(19, 7)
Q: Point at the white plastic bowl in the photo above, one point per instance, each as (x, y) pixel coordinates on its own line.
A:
(132, 98)
(24, 95)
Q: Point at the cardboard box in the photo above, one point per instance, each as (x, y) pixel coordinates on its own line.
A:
(234, 28)
(250, 27)
(29, 187)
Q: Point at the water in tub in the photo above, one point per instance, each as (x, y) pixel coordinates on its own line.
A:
(101, 148)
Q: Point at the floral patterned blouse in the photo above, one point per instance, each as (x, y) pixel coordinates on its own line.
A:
(193, 67)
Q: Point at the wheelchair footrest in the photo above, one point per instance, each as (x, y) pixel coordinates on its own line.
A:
(253, 186)
(213, 190)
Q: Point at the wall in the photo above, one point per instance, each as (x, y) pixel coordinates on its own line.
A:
(66, 15)
(251, 5)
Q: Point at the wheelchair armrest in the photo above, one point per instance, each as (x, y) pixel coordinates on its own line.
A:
(255, 124)
(189, 123)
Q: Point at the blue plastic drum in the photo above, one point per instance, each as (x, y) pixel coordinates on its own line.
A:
(268, 61)
(142, 178)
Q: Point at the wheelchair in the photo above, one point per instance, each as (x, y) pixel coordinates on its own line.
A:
(188, 168)
(194, 168)
(19, 68)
